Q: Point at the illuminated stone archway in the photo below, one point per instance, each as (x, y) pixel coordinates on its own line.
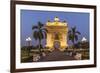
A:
(57, 31)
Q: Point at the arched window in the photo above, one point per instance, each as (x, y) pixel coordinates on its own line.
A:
(56, 36)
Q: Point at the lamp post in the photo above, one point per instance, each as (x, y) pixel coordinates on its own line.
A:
(84, 39)
(28, 40)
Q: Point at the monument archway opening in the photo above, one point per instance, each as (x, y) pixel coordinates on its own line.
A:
(57, 44)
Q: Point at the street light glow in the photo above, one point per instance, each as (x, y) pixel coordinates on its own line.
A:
(28, 39)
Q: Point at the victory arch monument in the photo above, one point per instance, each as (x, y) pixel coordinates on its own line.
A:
(57, 34)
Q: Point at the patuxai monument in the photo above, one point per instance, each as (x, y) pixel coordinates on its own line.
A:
(57, 34)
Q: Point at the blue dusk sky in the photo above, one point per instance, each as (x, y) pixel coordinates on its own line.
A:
(31, 17)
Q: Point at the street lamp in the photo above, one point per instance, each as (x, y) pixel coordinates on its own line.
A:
(84, 43)
(29, 41)
(84, 39)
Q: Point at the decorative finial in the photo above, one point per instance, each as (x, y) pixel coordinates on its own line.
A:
(56, 19)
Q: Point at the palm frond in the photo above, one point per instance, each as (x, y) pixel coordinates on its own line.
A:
(45, 35)
(78, 32)
(69, 37)
(40, 24)
(76, 37)
(73, 34)
(35, 34)
(44, 29)
(41, 36)
(73, 29)
(34, 27)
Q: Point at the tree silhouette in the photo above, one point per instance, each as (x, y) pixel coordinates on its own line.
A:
(73, 35)
(39, 33)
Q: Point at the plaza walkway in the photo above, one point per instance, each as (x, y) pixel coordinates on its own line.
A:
(57, 55)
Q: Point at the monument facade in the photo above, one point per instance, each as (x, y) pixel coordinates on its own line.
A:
(57, 34)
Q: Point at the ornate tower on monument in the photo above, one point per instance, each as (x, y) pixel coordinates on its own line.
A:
(57, 34)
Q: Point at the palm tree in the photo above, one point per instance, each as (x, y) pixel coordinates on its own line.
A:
(73, 35)
(39, 33)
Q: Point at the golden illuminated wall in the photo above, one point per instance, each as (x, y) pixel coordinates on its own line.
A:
(57, 28)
